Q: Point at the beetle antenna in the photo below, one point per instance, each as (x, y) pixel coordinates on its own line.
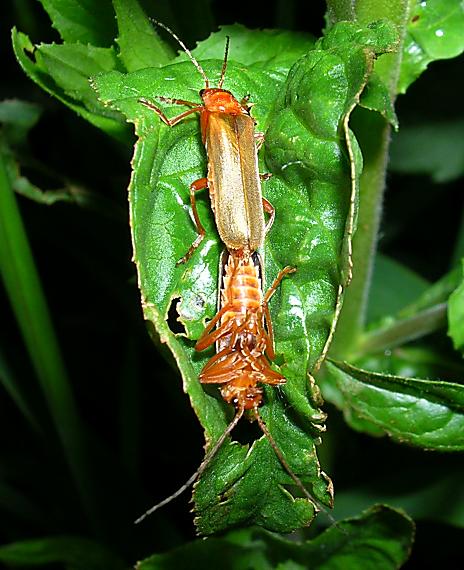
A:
(224, 63)
(204, 464)
(185, 48)
(317, 505)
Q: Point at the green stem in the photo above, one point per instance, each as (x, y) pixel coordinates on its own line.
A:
(25, 293)
(403, 331)
(373, 133)
(353, 315)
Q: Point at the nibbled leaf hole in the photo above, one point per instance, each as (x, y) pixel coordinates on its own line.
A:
(247, 432)
(30, 54)
(174, 324)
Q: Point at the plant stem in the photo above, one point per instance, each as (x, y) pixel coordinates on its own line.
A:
(373, 133)
(400, 332)
(353, 314)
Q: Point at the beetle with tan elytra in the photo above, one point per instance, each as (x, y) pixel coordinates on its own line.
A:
(233, 178)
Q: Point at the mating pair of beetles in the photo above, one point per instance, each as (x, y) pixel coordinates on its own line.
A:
(242, 328)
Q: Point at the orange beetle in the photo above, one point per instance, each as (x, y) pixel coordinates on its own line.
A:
(233, 179)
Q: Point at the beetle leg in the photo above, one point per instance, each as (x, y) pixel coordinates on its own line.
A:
(173, 101)
(269, 208)
(268, 332)
(208, 338)
(174, 120)
(199, 184)
(259, 138)
(222, 367)
(272, 289)
(267, 316)
(245, 103)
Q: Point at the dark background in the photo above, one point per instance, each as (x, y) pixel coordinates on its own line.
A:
(147, 438)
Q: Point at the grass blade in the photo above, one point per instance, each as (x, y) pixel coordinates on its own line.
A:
(27, 299)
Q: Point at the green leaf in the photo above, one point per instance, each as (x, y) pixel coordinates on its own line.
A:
(241, 478)
(376, 97)
(63, 71)
(425, 315)
(17, 118)
(71, 65)
(424, 413)
(139, 44)
(393, 287)
(372, 132)
(434, 32)
(71, 553)
(382, 37)
(379, 539)
(315, 107)
(456, 315)
(412, 361)
(458, 249)
(84, 21)
(436, 149)
(314, 195)
(268, 49)
(156, 217)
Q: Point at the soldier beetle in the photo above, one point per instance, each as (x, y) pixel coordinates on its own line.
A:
(233, 179)
(242, 328)
(243, 334)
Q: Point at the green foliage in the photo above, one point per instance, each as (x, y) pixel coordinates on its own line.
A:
(71, 553)
(420, 412)
(82, 21)
(22, 284)
(434, 32)
(380, 539)
(435, 149)
(263, 49)
(326, 108)
(393, 287)
(305, 148)
(456, 316)
(58, 69)
(138, 42)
